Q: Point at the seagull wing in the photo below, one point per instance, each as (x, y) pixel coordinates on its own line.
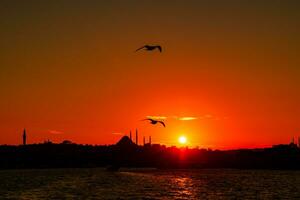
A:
(162, 123)
(159, 48)
(140, 48)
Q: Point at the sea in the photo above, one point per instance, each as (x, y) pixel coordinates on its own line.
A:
(97, 183)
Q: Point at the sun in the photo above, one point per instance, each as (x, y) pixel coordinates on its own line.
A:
(182, 139)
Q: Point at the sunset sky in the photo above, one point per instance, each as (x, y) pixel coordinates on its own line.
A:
(228, 76)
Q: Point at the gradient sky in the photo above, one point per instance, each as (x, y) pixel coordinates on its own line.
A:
(68, 71)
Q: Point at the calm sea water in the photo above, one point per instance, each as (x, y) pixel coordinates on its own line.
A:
(149, 184)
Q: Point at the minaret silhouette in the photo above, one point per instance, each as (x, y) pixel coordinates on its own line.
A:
(136, 137)
(130, 136)
(24, 137)
(150, 140)
(144, 139)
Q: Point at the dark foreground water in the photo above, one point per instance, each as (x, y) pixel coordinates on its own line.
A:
(149, 184)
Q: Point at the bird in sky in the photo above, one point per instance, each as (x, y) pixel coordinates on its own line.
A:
(150, 48)
(153, 121)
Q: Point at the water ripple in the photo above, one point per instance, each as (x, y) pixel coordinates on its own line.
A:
(149, 184)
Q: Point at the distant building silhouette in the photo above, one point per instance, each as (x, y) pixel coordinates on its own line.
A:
(126, 142)
(144, 139)
(66, 142)
(48, 141)
(150, 140)
(128, 154)
(24, 137)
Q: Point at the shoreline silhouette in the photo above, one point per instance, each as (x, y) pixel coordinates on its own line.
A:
(127, 154)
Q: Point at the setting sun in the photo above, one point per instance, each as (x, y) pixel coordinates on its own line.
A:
(182, 140)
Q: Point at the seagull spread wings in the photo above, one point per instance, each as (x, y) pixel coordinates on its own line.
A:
(153, 121)
(150, 48)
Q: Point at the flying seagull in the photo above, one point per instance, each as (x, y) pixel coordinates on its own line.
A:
(153, 121)
(150, 48)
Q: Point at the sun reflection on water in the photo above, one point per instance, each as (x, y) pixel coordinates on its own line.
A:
(183, 187)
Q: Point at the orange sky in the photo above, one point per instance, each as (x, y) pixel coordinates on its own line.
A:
(68, 71)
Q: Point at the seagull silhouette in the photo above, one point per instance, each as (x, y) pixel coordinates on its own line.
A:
(150, 48)
(153, 121)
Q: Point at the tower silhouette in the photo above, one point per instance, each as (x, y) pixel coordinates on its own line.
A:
(150, 140)
(136, 137)
(130, 136)
(144, 139)
(24, 137)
